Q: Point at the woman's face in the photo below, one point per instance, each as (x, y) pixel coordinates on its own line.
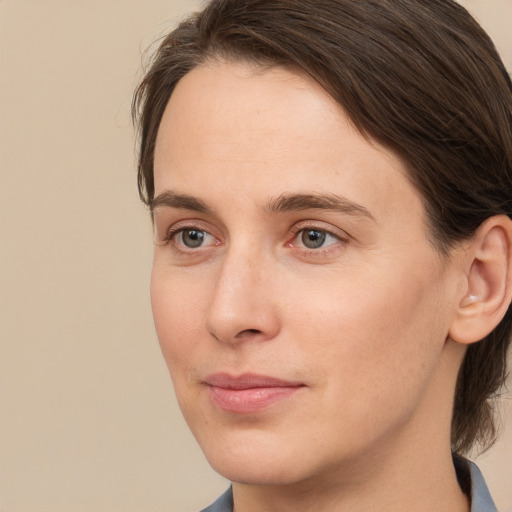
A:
(301, 309)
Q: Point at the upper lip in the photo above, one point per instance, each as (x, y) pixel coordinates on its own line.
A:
(247, 381)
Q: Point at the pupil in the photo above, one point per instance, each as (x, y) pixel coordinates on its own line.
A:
(192, 238)
(313, 238)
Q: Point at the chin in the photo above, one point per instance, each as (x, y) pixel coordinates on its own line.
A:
(255, 472)
(256, 458)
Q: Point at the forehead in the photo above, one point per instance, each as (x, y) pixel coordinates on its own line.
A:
(237, 104)
(266, 132)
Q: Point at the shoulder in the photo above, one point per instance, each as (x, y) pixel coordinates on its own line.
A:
(223, 504)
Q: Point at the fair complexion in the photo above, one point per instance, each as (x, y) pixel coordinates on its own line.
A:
(301, 307)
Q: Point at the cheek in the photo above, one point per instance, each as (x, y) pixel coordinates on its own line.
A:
(372, 335)
(177, 316)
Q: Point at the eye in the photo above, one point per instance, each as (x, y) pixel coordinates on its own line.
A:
(192, 238)
(315, 238)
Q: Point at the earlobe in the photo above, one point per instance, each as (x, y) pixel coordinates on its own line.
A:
(489, 282)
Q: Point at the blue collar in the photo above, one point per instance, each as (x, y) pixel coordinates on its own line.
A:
(473, 484)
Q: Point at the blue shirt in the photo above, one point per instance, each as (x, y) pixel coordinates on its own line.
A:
(470, 479)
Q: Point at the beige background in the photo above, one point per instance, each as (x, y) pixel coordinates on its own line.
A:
(88, 421)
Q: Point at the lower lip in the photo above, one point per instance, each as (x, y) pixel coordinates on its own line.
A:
(249, 400)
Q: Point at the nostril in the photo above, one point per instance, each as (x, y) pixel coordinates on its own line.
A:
(248, 331)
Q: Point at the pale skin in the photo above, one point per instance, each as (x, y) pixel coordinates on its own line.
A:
(288, 245)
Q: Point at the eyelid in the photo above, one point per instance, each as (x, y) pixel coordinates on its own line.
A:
(320, 226)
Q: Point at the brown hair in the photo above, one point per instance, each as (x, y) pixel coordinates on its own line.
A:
(420, 77)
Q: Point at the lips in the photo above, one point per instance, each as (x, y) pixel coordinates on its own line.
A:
(248, 393)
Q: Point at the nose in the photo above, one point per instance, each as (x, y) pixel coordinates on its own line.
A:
(243, 305)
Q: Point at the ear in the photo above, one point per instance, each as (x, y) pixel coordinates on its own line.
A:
(489, 282)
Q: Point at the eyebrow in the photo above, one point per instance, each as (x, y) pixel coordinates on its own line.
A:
(332, 202)
(171, 199)
(282, 203)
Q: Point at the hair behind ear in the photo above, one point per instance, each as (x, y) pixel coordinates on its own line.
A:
(481, 377)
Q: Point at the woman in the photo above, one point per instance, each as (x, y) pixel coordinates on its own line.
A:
(330, 187)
